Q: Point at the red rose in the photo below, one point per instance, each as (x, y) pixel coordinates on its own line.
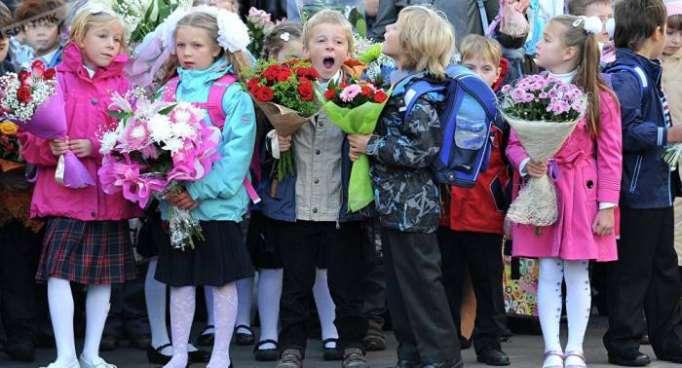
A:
(283, 74)
(271, 73)
(253, 84)
(24, 94)
(38, 68)
(313, 74)
(330, 94)
(380, 97)
(23, 75)
(306, 91)
(264, 94)
(343, 85)
(366, 90)
(50, 73)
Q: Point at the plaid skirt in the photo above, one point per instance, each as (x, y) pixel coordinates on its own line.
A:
(87, 252)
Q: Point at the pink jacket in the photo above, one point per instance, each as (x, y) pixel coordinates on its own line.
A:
(86, 102)
(589, 174)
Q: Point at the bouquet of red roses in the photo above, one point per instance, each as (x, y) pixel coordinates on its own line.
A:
(286, 94)
(355, 108)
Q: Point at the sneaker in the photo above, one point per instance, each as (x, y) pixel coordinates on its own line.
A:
(97, 363)
(291, 358)
(73, 364)
(354, 358)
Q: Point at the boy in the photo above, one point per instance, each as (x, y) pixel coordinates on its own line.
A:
(646, 274)
(472, 238)
(406, 196)
(603, 10)
(310, 211)
(44, 36)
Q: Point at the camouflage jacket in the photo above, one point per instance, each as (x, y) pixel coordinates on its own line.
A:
(401, 151)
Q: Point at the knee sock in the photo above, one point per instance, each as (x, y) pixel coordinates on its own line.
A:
(96, 311)
(269, 295)
(245, 291)
(183, 303)
(325, 307)
(61, 312)
(225, 301)
(578, 303)
(549, 303)
(155, 298)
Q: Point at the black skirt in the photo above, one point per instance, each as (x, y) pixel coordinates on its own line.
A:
(221, 259)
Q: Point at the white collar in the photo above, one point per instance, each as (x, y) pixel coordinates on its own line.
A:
(566, 77)
(91, 72)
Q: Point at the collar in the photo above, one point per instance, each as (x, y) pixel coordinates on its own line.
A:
(193, 78)
(565, 77)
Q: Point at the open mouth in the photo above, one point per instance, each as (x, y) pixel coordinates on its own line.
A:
(328, 62)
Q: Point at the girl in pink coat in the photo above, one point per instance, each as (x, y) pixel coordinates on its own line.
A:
(587, 175)
(86, 236)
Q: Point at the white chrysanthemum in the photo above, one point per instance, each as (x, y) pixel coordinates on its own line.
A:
(183, 130)
(159, 128)
(182, 116)
(138, 132)
(173, 144)
(108, 142)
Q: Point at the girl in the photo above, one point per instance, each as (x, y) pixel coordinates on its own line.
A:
(86, 236)
(219, 201)
(407, 198)
(588, 190)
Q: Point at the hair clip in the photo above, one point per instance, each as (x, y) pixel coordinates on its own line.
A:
(285, 37)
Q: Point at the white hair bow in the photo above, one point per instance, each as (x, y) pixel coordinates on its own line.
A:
(591, 25)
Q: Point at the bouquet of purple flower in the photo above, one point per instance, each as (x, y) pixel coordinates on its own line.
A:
(156, 148)
(542, 111)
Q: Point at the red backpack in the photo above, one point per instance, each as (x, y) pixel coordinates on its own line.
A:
(214, 107)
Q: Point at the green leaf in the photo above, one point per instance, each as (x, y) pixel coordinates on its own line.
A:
(167, 110)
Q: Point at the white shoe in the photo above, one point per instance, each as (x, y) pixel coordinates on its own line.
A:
(72, 364)
(98, 363)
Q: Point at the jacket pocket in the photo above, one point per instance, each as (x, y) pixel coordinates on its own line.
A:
(501, 194)
(635, 174)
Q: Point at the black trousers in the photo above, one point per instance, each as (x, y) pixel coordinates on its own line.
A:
(348, 265)
(19, 255)
(128, 313)
(481, 254)
(645, 277)
(375, 287)
(420, 313)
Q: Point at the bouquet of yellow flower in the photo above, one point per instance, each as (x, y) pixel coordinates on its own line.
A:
(10, 157)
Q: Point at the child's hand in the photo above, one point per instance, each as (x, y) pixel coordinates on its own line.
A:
(536, 169)
(284, 142)
(675, 134)
(358, 145)
(181, 200)
(604, 222)
(81, 147)
(59, 146)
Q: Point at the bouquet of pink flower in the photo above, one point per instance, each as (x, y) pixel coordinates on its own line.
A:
(260, 24)
(543, 111)
(155, 149)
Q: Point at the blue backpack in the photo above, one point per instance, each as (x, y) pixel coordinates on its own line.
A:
(469, 110)
(636, 72)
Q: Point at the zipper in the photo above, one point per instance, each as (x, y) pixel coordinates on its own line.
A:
(635, 174)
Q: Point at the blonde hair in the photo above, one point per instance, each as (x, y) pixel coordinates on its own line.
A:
(85, 21)
(475, 45)
(428, 39)
(239, 60)
(332, 17)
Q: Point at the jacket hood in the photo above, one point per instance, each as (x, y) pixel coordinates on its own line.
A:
(72, 62)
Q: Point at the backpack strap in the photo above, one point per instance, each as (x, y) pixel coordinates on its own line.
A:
(214, 104)
(636, 72)
(484, 15)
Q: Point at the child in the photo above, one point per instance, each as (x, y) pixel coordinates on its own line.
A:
(83, 224)
(44, 36)
(603, 10)
(670, 81)
(646, 274)
(309, 213)
(587, 191)
(406, 196)
(219, 201)
(473, 240)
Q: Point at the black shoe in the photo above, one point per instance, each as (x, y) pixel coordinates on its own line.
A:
(205, 339)
(402, 363)
(374, 341)
(354, 358)
(108, 343)
(494, 357)
(23, 350)
(154, 356)
(244, 339)
(633, 358)
(199, 356)
(291, 358)
(446, 364)
(266, 355)
(464, 343)
(331, 353)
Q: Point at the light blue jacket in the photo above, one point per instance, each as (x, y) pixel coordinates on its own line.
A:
(220, 194)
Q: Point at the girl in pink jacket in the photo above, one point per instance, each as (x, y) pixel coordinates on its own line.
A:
(86, 236)
(587, 174)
